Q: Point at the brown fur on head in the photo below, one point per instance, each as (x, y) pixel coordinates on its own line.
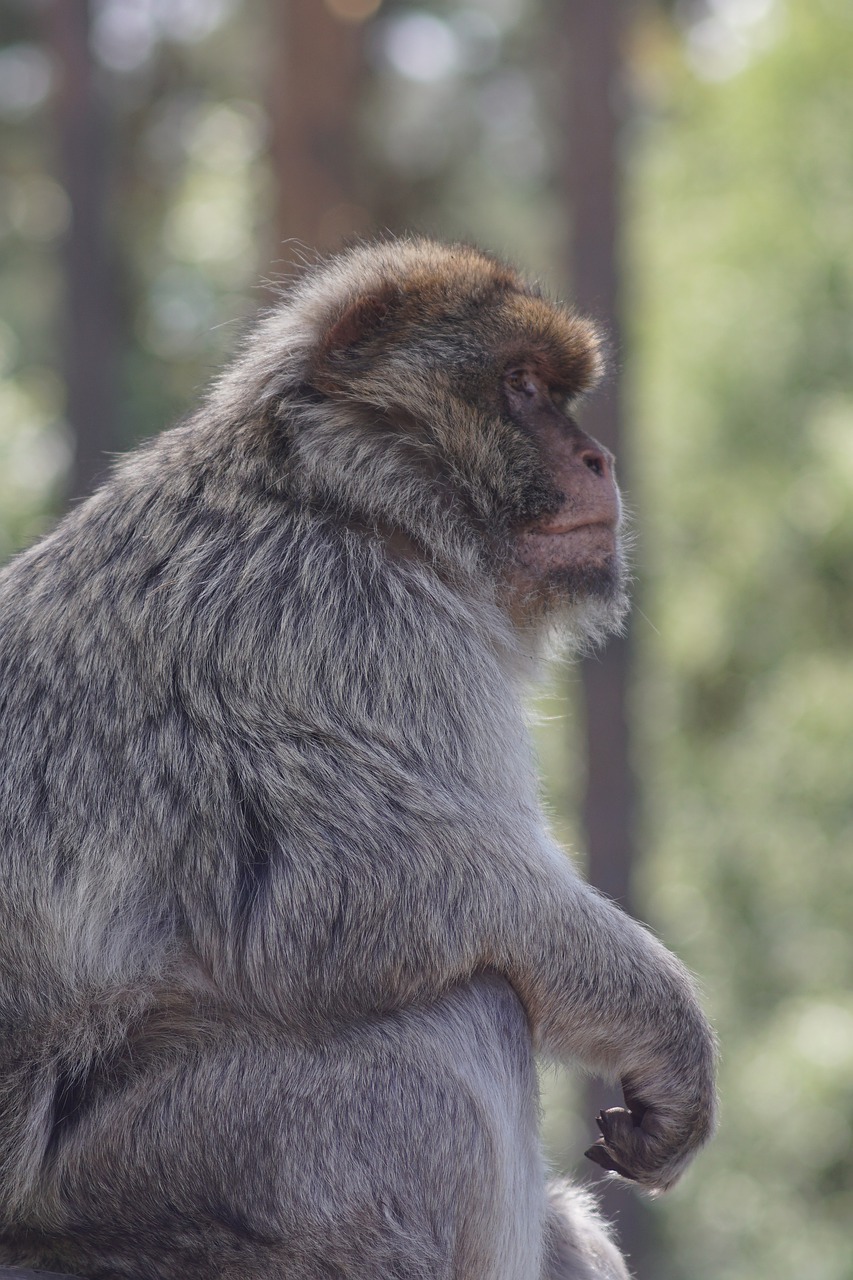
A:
(454, 304)
(432, 332)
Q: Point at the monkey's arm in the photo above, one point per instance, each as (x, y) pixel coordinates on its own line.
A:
(602, 990)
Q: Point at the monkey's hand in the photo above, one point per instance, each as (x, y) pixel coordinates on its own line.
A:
(649, 1144)
(622, 1004)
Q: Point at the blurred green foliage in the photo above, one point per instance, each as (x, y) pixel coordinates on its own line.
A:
(34, 451)
(739, 269)
(742, 363)
(189, 208)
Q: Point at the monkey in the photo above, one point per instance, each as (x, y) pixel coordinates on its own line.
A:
(283, 927)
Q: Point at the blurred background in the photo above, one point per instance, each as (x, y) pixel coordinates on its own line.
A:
(684, 171)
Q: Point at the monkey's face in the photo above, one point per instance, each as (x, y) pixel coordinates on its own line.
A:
(569, 551)
(469, 375)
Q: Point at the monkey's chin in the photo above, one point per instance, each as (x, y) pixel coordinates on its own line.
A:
(593, 608)
(580, 603)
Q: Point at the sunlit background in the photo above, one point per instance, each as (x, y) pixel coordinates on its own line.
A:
(214, 125)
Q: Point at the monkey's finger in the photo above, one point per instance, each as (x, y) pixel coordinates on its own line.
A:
(613, 1121)
(599, 1155)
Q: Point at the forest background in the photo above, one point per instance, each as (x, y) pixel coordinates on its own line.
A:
(686, 170)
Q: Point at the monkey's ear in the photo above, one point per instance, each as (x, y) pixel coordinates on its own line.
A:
(363, 318)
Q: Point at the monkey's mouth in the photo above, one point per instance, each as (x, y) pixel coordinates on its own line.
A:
(561, 529)
(574, 536)
(567, 544)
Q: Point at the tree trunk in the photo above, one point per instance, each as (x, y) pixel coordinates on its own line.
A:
(313, 99)
(89, 338)
(588, 37)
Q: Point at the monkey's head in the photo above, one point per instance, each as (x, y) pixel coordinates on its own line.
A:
(425, 393)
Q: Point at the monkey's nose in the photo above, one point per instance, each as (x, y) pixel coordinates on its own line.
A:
(598, 459)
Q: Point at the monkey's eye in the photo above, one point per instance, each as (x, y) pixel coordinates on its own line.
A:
(521, 381)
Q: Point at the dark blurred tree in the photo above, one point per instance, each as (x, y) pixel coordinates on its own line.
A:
(589, 43)
(589, 37)
(316, 82)
(89, 340)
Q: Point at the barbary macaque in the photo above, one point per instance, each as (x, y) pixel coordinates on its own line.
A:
(282, 924)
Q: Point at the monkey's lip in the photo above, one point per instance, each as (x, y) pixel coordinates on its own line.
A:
(558, 530)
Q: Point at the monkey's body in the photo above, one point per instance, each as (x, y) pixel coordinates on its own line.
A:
(281, 920)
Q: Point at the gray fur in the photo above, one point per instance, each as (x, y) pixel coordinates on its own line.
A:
(282, 922)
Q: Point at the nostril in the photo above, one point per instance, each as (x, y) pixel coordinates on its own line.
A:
(596, 461)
